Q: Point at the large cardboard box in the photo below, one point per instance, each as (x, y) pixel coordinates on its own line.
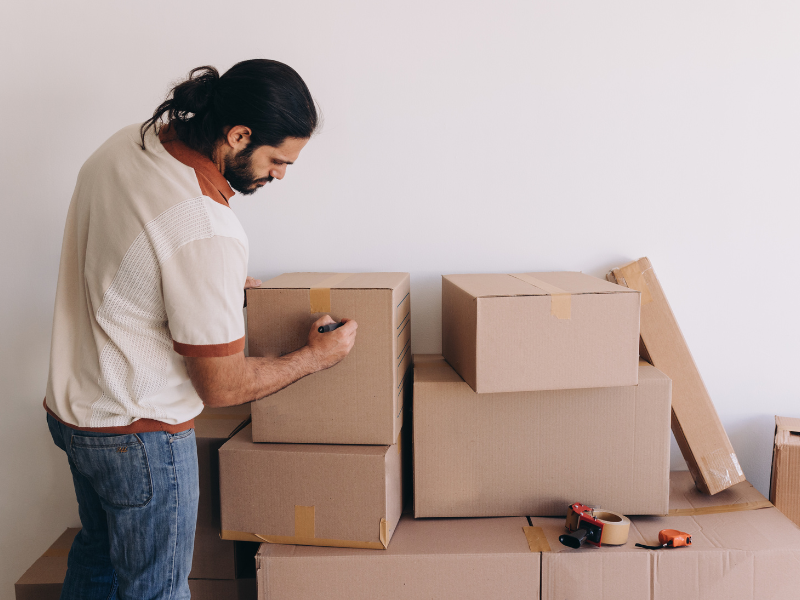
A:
(539, 331)
(358, 401)
(699, 432)
(215, 558)
(535, 453)
(45, 578)
(740, 551)
(319, 495)
(445, 559)
(784, 489)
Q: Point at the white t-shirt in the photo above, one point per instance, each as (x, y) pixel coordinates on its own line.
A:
(153, 267)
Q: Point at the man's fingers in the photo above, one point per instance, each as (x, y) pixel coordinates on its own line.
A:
(323, 320)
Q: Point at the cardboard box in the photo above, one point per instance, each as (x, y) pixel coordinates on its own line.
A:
(319, 495)
(740, 551)
(45, 578)
(445, 559)
(784, 488)
(702, 439)
(358, 401)
(539, 331)
(215, 558)
(535, 453)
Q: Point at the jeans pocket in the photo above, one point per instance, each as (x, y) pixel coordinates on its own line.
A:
(116, 466)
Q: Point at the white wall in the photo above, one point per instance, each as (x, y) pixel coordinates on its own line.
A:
(460, 136)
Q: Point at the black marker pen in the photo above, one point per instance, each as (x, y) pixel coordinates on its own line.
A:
(329, 327)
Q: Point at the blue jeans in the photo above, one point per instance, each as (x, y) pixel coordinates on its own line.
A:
(137, 500)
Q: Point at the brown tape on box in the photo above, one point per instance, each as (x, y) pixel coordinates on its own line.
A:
(320, 294)
(304, 534)
(537, 542)
(560, 300)
(634, 279)
(715, 510)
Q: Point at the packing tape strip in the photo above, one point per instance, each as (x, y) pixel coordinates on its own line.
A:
(560, 300)
(320, 294)
(304, 521)
(615, 527)
(723, 508)
(537, 541)
(242, 536)
(633, 277)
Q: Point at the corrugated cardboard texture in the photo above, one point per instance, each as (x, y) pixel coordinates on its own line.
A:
(784, 489)
(528, 453)
(338, 494)
(735, 555)
(45, 578)
(215, 558)
(702, 439)
(502, 333)
(358, 401)
(465, 559)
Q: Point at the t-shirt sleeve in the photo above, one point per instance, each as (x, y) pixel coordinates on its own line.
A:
(203, 286)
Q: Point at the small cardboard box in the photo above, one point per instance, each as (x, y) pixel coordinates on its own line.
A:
(535, 453)
(358, 401)
(699, 432)
(784, 488)
(215, 558)
(445, 559)
(539, 331)
(45, 578)
(318, 495)
(741, 550)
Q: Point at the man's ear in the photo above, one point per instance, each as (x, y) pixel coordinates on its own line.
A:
(238, 137)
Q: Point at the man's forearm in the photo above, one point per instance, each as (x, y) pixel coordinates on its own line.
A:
(238, 379)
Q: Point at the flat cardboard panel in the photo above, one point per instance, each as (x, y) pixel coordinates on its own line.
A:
(527, 453)
(44, 578)
(736, 554)
(503, 334)
(699, 432)
(215, 558)
(785, 482)
(281, 491)
(356, 401)
(445, 559)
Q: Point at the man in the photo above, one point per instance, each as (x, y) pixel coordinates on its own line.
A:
(148, 318)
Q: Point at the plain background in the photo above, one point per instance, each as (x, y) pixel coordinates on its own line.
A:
(459, 136)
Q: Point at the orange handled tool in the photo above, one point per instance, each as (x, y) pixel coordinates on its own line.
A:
(670, 538)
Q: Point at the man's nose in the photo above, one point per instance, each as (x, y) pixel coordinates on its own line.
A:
(278, 172)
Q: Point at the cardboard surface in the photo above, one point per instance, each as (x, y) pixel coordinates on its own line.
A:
(445, 559)
(784, 489)
(327, 495)
(215, 558)
(539, 331)
(535, 453)
(702, 439)
(232, 589)
(358, 401)
(735, 554)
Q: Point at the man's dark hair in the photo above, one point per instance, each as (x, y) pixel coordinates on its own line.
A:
(267, 96)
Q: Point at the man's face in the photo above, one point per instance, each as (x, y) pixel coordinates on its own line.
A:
(253, 167)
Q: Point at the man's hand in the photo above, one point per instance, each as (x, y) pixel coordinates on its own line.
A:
(331, 347)
(251, 282)
(232, 380)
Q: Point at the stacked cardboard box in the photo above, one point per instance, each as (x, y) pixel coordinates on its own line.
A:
(543, 402)
(321, 463)
(741, 549)
(784, 488)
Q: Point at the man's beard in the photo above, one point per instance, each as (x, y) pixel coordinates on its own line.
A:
(239, 172)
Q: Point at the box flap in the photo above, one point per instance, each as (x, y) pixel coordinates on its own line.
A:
(432, 368)
(333, 281)
(789, 424)
(491, 285)
(243, 442)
